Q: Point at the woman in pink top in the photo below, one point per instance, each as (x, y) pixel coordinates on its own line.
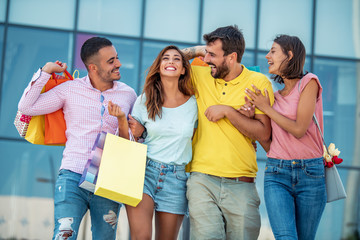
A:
(294, 184)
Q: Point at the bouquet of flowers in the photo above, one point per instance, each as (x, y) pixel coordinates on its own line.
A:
(331, 156)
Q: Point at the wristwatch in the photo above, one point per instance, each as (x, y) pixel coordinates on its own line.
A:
(144, 134)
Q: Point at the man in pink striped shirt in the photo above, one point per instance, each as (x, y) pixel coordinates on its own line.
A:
(89, 104)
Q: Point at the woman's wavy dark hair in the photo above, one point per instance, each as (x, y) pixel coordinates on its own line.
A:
(293, 68)
(153, 87)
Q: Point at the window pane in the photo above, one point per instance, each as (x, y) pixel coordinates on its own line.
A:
(22, 59)
(277, 17)
(337, 28)
(2, 11)
(1, 47)
(248, 59)
(29, 172)
(339, 80)
(177, 22)
(45, 13)
(228, 14)
(115, 17)
(128, 52)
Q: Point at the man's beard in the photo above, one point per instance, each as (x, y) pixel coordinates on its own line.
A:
(108, 75)
(221, 71)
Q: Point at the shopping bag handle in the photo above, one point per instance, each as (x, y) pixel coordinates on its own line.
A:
(66, 73)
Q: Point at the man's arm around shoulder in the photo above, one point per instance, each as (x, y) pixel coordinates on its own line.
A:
(193, 52)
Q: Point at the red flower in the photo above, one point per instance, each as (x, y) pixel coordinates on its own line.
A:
(329, 164)
(337, 160)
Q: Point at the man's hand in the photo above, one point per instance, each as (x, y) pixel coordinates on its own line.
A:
(136, 128)
(54, 67)
(115, 110)
(216, 112)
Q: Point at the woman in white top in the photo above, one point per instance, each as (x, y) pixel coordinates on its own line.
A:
(168, 110)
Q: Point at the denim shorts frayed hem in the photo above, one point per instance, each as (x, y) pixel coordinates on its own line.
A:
(166, 185)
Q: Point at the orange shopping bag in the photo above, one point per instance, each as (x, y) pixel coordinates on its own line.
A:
(55, 125)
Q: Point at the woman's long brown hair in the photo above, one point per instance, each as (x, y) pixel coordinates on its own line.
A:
(153, 87)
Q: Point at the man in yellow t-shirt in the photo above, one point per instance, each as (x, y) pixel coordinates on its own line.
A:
(223, 200)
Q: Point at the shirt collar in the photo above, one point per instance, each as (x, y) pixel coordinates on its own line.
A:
(88, 83)
(236, 80)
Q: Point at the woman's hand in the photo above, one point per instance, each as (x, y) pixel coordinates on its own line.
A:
(248, 109)
(260, 101)
(136, 128)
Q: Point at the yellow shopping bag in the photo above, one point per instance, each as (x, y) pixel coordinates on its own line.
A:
(36, 129)
(35, 133)
(122, 170)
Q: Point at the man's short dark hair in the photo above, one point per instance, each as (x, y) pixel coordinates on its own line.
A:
(232, 40)
(92, 47)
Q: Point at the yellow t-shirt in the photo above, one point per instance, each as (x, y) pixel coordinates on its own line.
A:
(218, 147)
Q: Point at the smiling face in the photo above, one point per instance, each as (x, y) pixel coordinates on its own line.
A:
(108, 64)
(215, 58)
(171, 64)
(276, 59)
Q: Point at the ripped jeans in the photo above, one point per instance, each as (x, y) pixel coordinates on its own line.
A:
(72, 202)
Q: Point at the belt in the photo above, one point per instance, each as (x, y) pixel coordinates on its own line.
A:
(242, 179)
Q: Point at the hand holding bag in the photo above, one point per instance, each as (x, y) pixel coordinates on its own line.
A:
(48, 129)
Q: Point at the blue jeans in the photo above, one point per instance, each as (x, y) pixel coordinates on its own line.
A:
(295, 196)
(72, 202)
(222, 208)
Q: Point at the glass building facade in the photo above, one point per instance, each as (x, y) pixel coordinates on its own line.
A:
(37, 31)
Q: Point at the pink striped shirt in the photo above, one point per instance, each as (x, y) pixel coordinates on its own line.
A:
(85, 112)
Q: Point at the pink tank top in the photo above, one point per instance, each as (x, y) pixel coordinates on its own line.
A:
(284, 145)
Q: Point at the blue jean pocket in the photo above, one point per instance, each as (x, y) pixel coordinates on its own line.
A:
(60, 189)
(67, 182)
(315, 170)
(271, 169)
(181, 175)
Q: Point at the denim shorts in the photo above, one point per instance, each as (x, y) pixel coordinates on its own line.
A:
(166, 185)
